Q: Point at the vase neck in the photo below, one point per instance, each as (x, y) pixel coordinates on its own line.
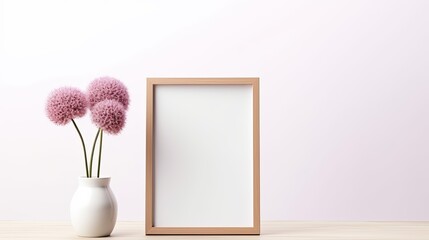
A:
(94, 182)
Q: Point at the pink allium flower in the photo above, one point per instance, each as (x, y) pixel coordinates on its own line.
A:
(107, 88)
(65, 104)
(109, 115)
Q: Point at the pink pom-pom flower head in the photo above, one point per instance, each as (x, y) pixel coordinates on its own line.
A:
(65, 104)
(109, 115)
(107, 88)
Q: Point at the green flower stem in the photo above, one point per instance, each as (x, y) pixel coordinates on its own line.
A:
(84, 149)
(99, 153)
(92, 152)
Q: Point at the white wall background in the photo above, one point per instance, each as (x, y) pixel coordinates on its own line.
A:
(344, 98)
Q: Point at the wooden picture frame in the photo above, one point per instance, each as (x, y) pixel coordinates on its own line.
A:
(218, 193)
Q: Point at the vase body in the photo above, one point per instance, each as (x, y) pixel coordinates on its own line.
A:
(93, 208)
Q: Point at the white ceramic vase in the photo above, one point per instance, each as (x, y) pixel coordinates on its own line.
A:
(93, 208)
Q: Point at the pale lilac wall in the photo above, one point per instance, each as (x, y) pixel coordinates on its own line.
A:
(344, 98)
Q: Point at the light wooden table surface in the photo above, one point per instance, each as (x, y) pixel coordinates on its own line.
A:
(270, 231)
